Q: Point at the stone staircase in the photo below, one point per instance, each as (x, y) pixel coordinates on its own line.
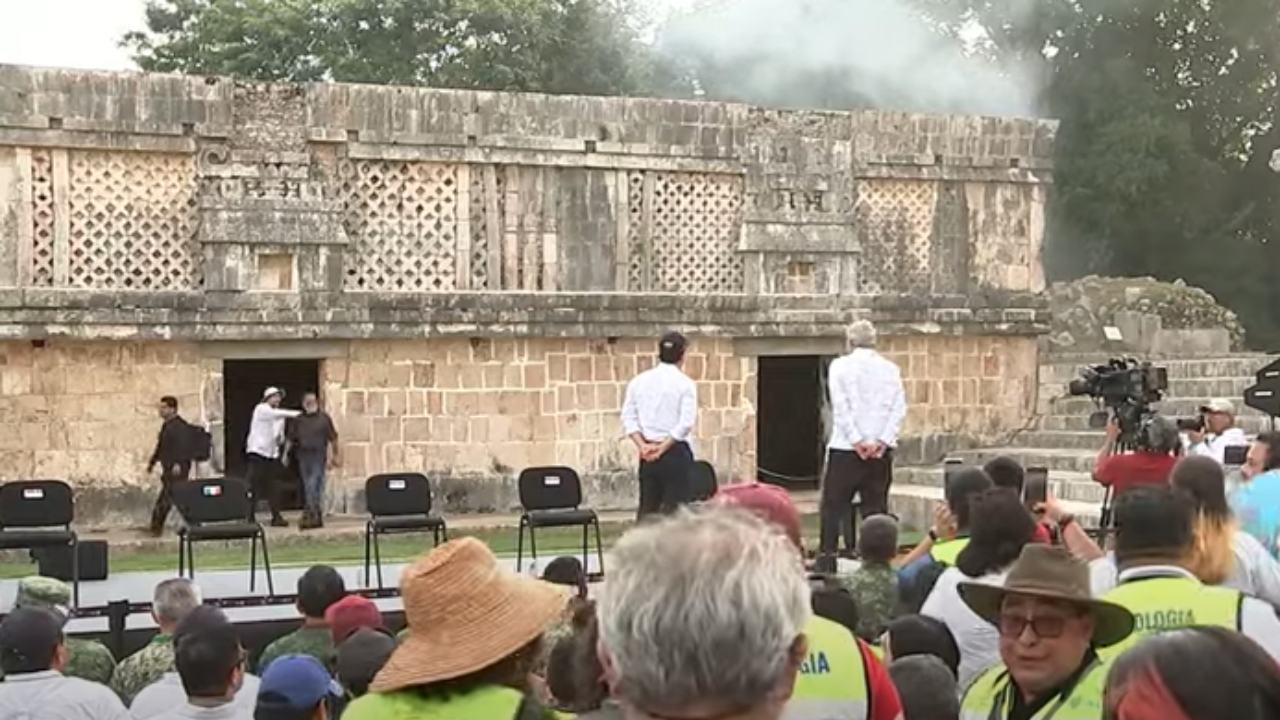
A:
(1060, 438)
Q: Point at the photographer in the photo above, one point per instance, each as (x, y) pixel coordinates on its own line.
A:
(1158, 446)
(1217, 431)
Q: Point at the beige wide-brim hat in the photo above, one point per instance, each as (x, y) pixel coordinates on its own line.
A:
(1050, 572)
(465, 613)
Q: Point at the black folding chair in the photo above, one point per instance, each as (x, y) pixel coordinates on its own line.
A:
(38, 514)
(702, 481)
(214, 510)
(398, 503)
(550, 497)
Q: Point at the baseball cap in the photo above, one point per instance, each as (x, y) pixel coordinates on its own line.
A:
(28, 638)
(272, 391)
(296, 683)
(350, 614)
(768, 502)
(361, 656)
(1219, 405)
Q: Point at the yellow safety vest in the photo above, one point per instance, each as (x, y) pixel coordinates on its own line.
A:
(947, 551)
(1169, 603)
(833, 680)
(990, 697)
(483, 703)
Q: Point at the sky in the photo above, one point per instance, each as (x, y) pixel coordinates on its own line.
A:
(85, 34)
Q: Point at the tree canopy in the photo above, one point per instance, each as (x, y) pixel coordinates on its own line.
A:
(580, 46)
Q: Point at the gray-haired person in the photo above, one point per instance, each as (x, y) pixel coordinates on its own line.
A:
(171, 602)
(704, 617)
(868, 405)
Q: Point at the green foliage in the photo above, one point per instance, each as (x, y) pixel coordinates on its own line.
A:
(579, 46)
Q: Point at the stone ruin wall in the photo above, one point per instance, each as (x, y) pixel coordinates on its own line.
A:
(480, 273)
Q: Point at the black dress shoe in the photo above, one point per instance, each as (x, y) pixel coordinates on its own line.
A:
(279, 521)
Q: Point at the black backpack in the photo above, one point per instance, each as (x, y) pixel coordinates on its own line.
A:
(199, 443)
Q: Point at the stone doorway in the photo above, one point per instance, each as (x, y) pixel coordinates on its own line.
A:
(790, 434)
(243, 382)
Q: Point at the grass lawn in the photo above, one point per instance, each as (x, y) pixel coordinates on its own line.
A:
(350, 550)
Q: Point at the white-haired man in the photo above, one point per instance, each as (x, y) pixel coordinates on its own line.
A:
(172, 601)
(868, 405)
(704, 617)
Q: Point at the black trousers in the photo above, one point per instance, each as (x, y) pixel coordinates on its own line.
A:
(264, 482)
(164, 503)
(665, 483)
(849, 475)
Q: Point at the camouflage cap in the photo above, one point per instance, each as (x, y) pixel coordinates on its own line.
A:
(44, 592)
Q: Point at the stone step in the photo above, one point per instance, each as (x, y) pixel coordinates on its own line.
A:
(1251, 424)
(1173, 407)
(914, 504)
(1067, 486)
(1244, 365)
(1056, 459)
(1059, 439)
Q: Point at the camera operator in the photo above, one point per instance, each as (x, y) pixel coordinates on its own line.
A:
(1217, 432)
(1158, 447)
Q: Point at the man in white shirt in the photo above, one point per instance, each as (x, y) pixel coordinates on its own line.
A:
(33, 653)
(210, 683)
(263, 448)
(868, 405)
(1219, 431)
(658, 414)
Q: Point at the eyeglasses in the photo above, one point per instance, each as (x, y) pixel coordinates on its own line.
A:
(1048, 627)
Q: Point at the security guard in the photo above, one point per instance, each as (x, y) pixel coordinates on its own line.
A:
(1154, 532)
(1050, 631)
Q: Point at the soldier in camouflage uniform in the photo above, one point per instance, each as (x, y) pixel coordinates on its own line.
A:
(318, 588)
(172, 601)
(87, 659)
(874, 585)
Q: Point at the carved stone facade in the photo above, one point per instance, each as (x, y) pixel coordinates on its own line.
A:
(476, 273)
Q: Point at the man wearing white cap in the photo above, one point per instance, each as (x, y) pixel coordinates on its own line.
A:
(262, 448)
(1218, 432)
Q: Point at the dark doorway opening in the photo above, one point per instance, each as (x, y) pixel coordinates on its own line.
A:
(242, 384)
(790, 434)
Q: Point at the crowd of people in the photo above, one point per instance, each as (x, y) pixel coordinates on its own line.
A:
(717, 612)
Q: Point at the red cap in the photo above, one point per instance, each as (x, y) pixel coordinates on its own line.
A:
(350, 614)
(768, 502)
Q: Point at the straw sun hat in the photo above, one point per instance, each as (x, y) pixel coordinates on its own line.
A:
(465, 613)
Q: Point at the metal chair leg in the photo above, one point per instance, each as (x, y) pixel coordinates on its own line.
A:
(266, 565)
(377, 557)
(368, 529)
(520, 545)
(444, 530)
(586, 564)
(599, 547)
(75, 572)
(533, 548)
(253, 562)
(182, 557)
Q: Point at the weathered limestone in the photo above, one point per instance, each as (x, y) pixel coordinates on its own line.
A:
(480, 273)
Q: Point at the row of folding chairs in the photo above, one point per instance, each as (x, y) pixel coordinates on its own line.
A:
(39, 513)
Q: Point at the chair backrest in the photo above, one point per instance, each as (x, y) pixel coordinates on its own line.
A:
(36, 503)
(550, 488)
(212, 500)
(398, 494)
(702, 481)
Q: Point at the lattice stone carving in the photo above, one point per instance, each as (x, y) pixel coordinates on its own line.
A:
(694, 238)
(132, 222)
(635, 234)
(42, 218)
(479, 232)
(402, 218)
(895, 221)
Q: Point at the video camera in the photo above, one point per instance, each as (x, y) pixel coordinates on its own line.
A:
(1126, 389)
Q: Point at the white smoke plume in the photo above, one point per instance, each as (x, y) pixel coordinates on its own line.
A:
(843, 54)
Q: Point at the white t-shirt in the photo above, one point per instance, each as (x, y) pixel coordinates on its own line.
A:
(165, 696)
(266, 430)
